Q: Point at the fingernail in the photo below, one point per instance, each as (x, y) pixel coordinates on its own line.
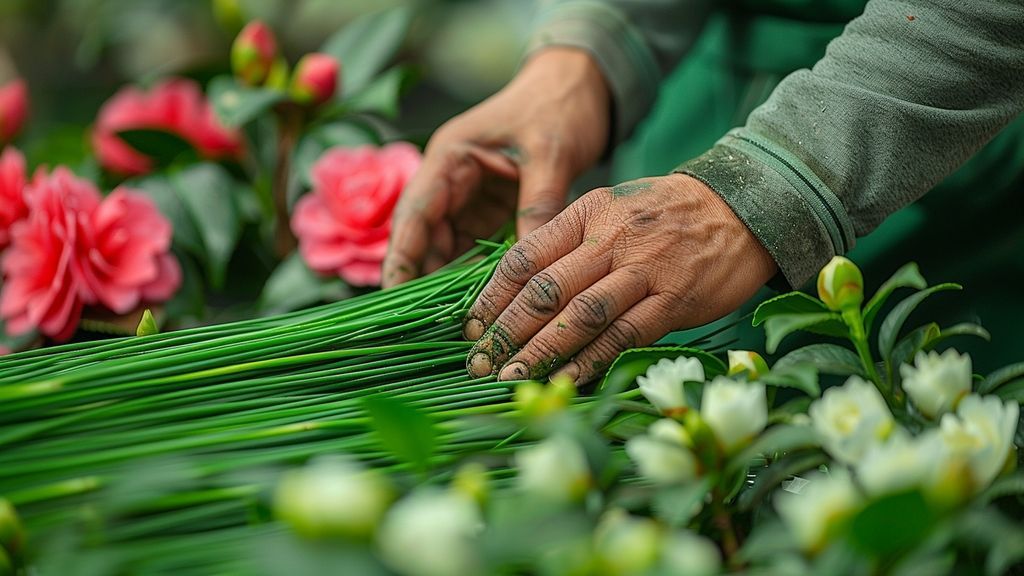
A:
(514, 371)
(570, 371)
(473, 329)
(479, 365)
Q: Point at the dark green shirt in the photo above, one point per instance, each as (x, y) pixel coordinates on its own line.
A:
(908, 92)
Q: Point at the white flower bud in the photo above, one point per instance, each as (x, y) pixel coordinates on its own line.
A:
(332, 497)
(751, 363)
(851, 418)
(735, 411)
(840, 284)
(901, 463)
(687, 554)
(662, 385)
(936, 383)
(662, 455)
(555, 469)
(981, 433)
(432, 533)
(627, 544)
(824, 504)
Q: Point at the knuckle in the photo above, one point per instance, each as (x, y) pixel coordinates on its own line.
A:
(622, 334)
(543, 293)
(590, 311)
(518, 264)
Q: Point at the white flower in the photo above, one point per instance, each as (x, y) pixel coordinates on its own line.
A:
(825, 502)
(662, 385)
(935, 383)
(627, 544)
(981, 433)
(332, 497)
(662, 455)
(432, 533)
(851, 418)
(555, 469)
(735, 411)
(752, 363)
(687, 554)
(901, 463)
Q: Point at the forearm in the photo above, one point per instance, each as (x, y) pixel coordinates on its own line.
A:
(634, 42)
(907, 94)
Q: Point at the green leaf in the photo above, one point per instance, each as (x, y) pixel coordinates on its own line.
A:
(147, 326)
(778, 327)
(906, 277)
(677, 505)
(236, 105)
(827, 358)
(162, 192)
(803, 377)
(892, 524)
(893, 323)
(208, 193)
(1000, 377)
(408, 433)
(163, 147)
(1012, 485)
(791, 303)
(777, 439)
(775, 474)
(366, 45)
(292, 285)
(919, 339)
(963, 329)
(1012, 391)
(381, 97)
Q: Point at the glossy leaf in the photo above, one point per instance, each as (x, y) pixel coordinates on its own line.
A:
(802, 377)
(1000, 377)
(292, 285)
(893, 323)
(778, 327)
(778, 472)
(408, 433)
(920, 338)
(163, 147)
(381, 96)
(827, 358)
(208, 193)
(366, 45)
(236, 105)
(908, 276)
(163, 194)
(892, 524)
(677, 505)
(786, 304)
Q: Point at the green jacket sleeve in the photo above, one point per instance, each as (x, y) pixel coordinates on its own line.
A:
(635, 42)
(904, 96)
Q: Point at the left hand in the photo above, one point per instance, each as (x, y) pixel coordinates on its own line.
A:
(619, 268)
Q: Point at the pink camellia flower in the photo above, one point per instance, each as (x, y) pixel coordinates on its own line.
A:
(177, 106)
(343, 223)
(253, 53)
(13, 109)
(315, 79)
(12, 193)
(76, 249)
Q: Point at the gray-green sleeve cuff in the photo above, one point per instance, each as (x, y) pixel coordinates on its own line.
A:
(796, 217)
(627, 62)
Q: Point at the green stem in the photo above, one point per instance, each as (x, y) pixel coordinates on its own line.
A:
(859, 337)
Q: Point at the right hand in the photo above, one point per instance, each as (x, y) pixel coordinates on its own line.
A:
(514, 154)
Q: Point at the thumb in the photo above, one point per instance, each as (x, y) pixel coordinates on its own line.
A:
(543, 188)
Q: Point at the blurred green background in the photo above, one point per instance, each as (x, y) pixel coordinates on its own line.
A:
(76, 53)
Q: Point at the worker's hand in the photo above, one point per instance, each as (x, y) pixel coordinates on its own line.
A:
(530, 140)
(619, 268)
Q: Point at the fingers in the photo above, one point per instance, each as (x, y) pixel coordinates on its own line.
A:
(421, 207)
(543, 297)
(522, 262)
(586, 316)
(641, 325)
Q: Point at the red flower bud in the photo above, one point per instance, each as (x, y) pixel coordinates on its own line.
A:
(253, 53)
(13, 109)
(315, 79)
